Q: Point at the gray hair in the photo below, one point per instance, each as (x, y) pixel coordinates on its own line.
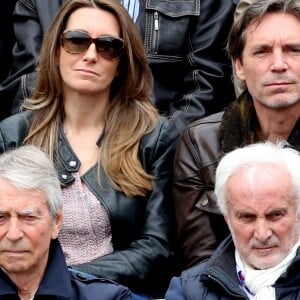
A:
(253, 15)
(29, 168)
(255, 155)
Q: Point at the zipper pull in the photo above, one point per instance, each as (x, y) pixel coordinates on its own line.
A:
(156, 21)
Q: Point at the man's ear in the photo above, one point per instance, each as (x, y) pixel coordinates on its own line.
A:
(226, 218)
(239, 69)
(56, 225)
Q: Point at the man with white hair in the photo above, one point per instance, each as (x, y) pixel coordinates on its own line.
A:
(258, 193)
(32, 264)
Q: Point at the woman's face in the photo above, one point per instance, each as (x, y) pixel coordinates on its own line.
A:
(88, 72)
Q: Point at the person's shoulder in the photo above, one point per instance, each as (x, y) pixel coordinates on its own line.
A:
(15, 128)
(165, 132)
(19, 118)
(207, 121)
(91, 287)
(204, 129)
(166, 124)
(188, 285)
(16, 123)
(193, 272)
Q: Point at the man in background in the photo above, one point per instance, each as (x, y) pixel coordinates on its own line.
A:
(32, 264)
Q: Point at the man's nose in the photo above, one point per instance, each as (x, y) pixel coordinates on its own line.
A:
(262, 230)
(14, 230)
(278, 63)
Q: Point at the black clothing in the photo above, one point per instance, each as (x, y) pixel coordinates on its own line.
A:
(184, 42)
(141, 226)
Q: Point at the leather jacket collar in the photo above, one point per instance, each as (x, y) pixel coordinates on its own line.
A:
(68, 162)
(240, 126)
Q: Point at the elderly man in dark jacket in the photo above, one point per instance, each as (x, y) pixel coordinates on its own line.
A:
(258, 192)
(32, 264)
(268, 109)
(184, 42)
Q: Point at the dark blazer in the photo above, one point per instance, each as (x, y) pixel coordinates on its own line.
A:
(60, 283)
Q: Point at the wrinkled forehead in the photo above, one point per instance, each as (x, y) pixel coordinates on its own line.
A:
(261, 186)
(272, 27)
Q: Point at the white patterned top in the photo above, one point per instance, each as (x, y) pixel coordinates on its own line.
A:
(86, 231)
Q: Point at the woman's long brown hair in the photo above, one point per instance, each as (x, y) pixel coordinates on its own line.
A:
(130, 116)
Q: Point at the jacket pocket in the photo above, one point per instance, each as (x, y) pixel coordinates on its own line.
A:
(168, 24)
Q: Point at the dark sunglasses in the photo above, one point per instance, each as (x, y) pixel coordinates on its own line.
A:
(76, 42)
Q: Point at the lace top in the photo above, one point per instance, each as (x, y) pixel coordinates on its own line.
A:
(86, 231)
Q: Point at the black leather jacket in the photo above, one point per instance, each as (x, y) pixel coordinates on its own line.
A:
(6, 36)
(184, 42)
(141, 227)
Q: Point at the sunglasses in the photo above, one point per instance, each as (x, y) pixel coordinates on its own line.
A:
(76, 42)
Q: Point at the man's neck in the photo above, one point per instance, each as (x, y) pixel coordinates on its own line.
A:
(277, 124)
(27, 284)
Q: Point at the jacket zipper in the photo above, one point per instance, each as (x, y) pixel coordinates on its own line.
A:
(155, 32)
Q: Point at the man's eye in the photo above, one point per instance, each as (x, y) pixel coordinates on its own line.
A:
(29, 218)
(260, 52)
(275, 216)
(295, 50)
(246, 218)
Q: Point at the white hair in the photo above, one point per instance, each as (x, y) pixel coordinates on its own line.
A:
(28, 167)
(254, 155)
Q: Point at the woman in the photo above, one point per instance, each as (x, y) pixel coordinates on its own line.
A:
(91, 111)
(184, 42)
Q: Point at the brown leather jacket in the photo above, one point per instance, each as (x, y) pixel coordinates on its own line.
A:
(200, 226)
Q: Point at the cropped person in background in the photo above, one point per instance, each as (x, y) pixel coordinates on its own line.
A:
(241, 7)
(185, 45)
(32, 264)
(92, 112)
(264, 46)
(6, 37)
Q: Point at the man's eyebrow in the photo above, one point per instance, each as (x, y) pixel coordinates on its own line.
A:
(260, 46)
(244, 213)
(33, 211)
(24, 212)
(277, 210)
(263, 45)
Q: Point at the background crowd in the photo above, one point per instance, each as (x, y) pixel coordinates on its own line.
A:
(136, 103)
